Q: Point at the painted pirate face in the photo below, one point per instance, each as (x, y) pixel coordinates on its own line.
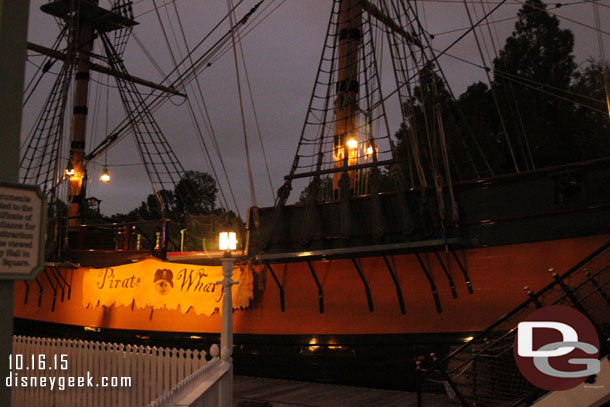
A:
(163, 281)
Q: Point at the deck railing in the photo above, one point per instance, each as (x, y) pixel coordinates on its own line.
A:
(153, 236)
(483, 371)
(113, 374)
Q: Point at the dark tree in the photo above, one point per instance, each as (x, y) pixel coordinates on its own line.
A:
(538, 49)
(195, 193)
(417, 139)
(539, 122)
(151, 210)
(535, 61)
(325, 191)
(482, 131)
(592, 110)
(435, 131)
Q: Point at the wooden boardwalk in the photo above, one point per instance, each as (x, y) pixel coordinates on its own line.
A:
(260, 392)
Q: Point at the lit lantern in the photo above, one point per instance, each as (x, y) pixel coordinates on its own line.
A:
(227, 241)
(69, 169)
(105, 177)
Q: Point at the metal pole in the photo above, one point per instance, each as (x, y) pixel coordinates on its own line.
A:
(226, 332)
(13, 37)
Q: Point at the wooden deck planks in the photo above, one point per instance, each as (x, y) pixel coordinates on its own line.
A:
(288, 393)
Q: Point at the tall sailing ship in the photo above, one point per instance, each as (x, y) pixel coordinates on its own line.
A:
(387, 258)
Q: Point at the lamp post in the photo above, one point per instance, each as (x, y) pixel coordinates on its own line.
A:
(227, 241)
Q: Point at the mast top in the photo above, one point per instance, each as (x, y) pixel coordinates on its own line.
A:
(103, 20)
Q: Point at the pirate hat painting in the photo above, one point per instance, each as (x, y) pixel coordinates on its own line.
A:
(163, 281)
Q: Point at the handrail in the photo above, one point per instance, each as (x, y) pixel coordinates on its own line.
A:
(191, 388)
(523, 305)
(215, 374)
(487, 358)
(120, 224)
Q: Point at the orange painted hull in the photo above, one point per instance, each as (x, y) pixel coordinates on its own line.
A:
(498, 276)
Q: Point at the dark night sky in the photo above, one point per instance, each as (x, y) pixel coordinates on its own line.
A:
(282, 55)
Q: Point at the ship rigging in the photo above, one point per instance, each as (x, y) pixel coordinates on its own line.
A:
(422, 213)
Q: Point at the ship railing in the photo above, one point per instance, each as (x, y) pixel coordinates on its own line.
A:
(483, 371)
(113, 374)
(154, 237)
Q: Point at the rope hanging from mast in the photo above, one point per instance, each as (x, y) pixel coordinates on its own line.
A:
(602, 55)
(241, 109)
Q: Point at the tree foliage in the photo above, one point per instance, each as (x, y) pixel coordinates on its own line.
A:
(531, 107)
(537, 49)
(592, 109)
(194, 194)
(325, 191)
(197, 192)
(535, 64)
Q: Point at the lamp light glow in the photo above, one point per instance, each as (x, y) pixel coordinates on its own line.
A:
(227, 241)
(369, 150)
(105, 177)
(352, 143)
(69, 169)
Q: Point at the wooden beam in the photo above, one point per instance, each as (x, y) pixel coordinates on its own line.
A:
(389, 22)
(102, 69)
(341, 169)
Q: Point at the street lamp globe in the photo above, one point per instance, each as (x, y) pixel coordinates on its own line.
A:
(227, 241)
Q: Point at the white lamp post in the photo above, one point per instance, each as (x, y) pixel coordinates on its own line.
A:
(227, 241)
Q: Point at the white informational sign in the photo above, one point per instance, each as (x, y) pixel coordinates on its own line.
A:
(22, 231)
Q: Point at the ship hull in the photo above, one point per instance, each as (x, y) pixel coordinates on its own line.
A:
(344, 341)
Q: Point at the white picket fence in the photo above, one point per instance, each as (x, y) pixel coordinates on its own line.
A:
(210, 386)
(157, 377)
(151, 372)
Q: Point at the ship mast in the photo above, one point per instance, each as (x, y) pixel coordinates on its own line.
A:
(346, 103)
(85, 19)
(82, 38)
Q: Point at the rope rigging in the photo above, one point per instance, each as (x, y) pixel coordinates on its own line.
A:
(602, 54)
(347, 103)
(43, 160)
(200, 102)
(355, 88)
(162, 166)
(42, 147)
(187, 100)
(241, 109)
(511, 100)
(155, 101)
(493, 92)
